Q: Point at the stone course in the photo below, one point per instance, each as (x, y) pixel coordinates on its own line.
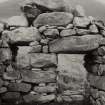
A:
(49, 55)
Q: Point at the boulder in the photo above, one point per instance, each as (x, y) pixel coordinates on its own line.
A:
(75, 44)
(17, 21)
(49, 5)
(38, 76)
(43, 60)
(82, 22)
(53, 19)
(22, 36)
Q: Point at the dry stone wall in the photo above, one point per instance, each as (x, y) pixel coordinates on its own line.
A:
(51, 55)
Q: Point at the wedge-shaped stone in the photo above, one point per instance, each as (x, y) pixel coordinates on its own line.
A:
(23, 35)
(75, 44)
(43, 60)
(72, 74)
(19, 87)
(30, 98)
(53, 19)
(97, 81)
(38, 76)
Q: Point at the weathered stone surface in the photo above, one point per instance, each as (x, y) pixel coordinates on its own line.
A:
(23, 60)
(53, 19)
(1, 27)
(3, 90)
(77, 97)
(35, 43)
(36, 49)
(81, 22)
(5, 54)
(23, 35)
(51, 33)
(38, 98)
(19, 87)
(43, 60)
(49, 5)
(15, 75)
(11, 96)
(68, 32)
(79, 11)
(82, 31)
(75, 44)
(69, 26)
(97, 81)
(45, 89)
(3, 44)
(17, 21)
(38, 76)
(93, 29)
(72, 74)
(1, 82)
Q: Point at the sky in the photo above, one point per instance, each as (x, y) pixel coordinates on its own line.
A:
(1, 1)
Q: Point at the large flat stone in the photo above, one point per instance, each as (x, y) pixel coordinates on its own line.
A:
(23, 35)
(72, 74)
(54, 19)
(43, 60)
(75, 44)
(97, 81)
(38, 76)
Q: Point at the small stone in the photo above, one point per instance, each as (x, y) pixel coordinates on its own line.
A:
(82, 22)
(67, 99)
(42, 29)
(19, 87)
(45, 49)
(93, 29)
(67, 32)
(69, 26)
(43, 60)
(3, 90)
(53, 19)
(77, 97)
(79, 11)
(35, 43)
(2, 25)
(9, 68)
(82, 31)
(42, 84)
(44, 41)
(3, 44)
(36, 69)
(60, 28)
(102, 32)
(36, 49)
(51, 33)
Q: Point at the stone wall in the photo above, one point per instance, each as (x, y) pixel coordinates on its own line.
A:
(52, 55)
